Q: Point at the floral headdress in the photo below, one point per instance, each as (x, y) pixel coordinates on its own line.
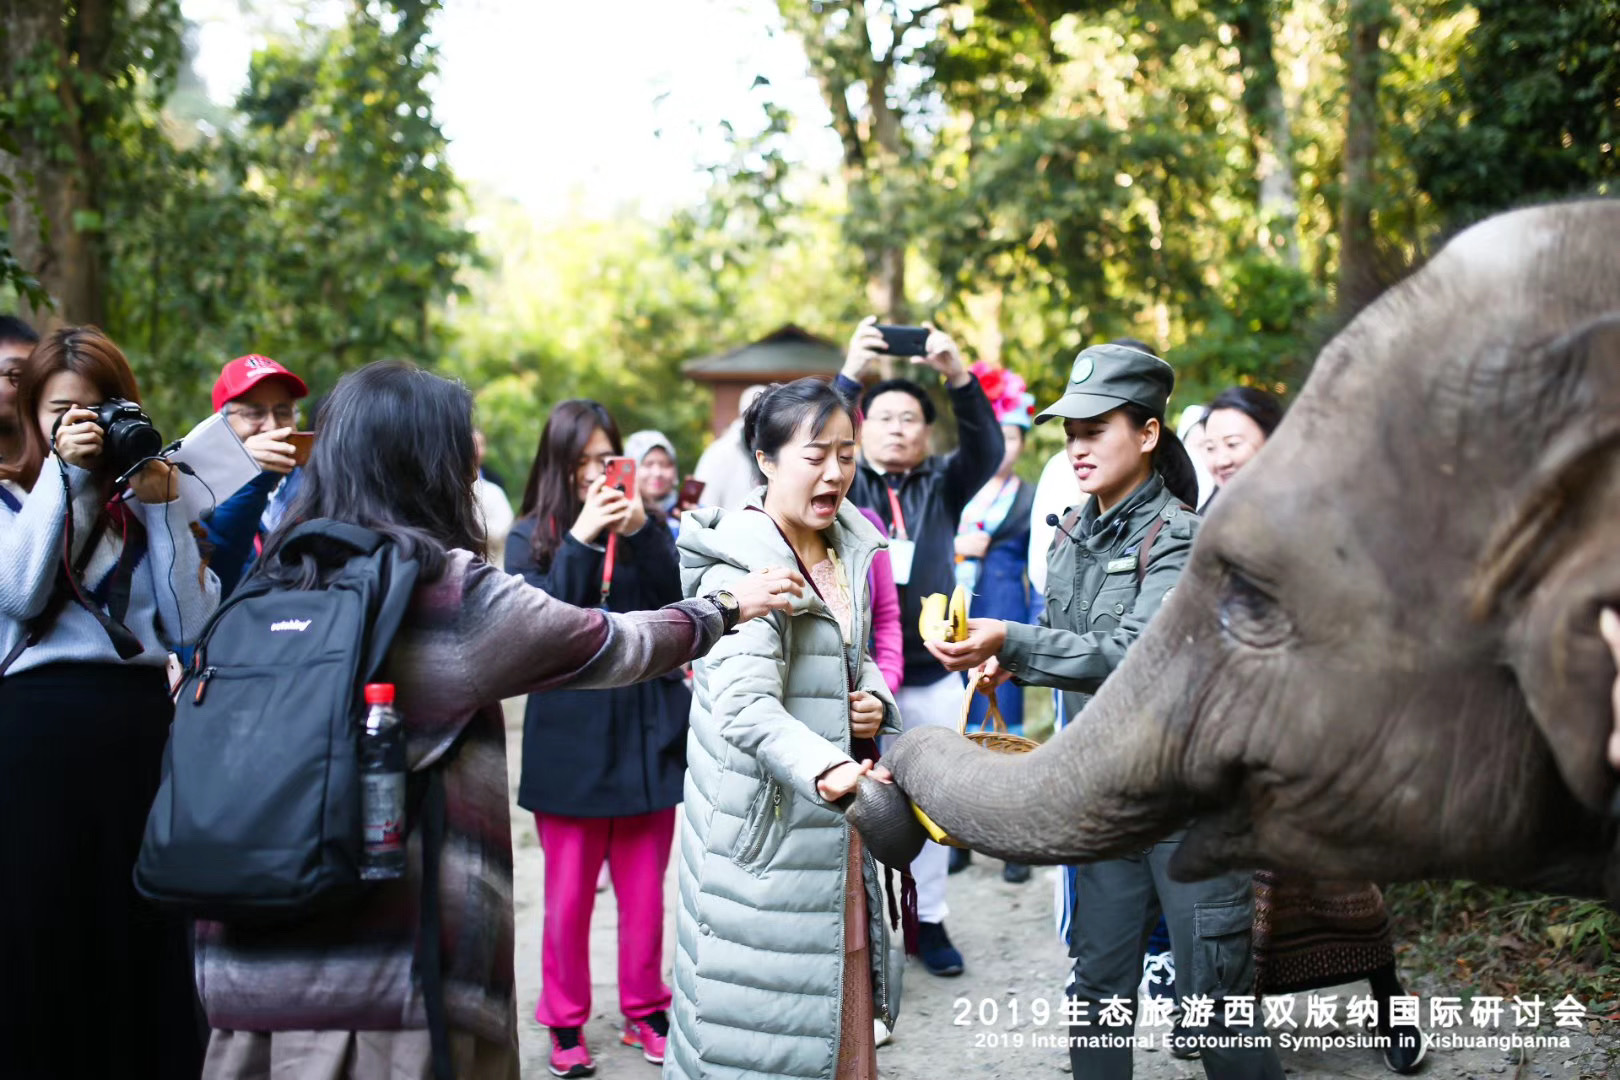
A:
(1008, 393)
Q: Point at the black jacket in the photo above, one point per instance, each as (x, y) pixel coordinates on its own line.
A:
(932, 497)
(604, 753)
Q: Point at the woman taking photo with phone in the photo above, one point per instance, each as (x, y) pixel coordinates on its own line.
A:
(84, 714)
(602, 769)
(782, 958)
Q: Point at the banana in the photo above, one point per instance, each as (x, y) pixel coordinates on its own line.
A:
(934, 624)
(935, 833)
(945, 620)
(959, 615)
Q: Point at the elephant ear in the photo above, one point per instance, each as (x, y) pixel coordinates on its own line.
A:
(1555, 563)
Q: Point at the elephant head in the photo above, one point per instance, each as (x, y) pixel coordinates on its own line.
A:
(1382, 660)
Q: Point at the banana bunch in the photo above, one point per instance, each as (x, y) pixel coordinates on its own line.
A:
(944, 620)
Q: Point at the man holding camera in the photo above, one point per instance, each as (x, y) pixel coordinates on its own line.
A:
(920, 496)
(257, 397)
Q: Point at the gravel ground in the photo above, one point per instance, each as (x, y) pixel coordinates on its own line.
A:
(1012, 955)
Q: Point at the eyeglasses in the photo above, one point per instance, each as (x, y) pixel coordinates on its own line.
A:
(284, 415)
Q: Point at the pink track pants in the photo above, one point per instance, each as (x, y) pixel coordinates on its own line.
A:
(637, 853)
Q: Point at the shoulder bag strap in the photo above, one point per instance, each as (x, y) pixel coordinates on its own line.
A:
(1147, 544)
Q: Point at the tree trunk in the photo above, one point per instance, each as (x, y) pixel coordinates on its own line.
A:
(885, 255)
(873, 143)
(1359, 279)
(54, 215)
(1270, 129)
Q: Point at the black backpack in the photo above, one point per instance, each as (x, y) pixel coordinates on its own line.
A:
(258, 814)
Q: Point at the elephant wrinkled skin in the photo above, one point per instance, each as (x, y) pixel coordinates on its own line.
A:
(1383, 659)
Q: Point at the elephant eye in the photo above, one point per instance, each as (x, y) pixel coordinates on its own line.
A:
(1250, 614)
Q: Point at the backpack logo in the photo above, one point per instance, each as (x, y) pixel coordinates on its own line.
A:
(299, 625)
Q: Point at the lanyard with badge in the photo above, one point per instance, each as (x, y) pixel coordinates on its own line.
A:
(901, 546)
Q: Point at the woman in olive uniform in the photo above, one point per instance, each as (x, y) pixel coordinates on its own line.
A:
(1110, 567)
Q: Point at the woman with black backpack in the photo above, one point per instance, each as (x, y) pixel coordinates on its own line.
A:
(84, 712)
(339, 994)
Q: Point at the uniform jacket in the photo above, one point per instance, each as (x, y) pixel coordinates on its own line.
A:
(760, 930)
(604, 753)
(1093, 599)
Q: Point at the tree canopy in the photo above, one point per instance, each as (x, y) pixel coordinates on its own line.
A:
(1226, 180)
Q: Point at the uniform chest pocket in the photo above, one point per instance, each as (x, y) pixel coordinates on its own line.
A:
(1113, 601)
(1060, 586)
(762, 830)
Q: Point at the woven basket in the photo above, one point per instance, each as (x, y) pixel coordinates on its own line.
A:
(997, 738)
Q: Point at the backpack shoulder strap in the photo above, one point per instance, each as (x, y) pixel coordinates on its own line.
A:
(1152, 535)
(398, 584)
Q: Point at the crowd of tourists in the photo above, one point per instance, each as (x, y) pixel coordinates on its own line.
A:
(712, 666)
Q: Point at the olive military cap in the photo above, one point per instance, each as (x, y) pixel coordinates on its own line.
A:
(1105, 377)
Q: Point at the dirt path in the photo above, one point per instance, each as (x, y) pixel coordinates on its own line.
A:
(1005, 933)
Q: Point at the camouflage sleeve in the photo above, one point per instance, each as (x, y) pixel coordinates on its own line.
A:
(1044, 656)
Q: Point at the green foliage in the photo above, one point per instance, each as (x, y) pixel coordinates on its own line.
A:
(1474, 940)
(322, 226)
(1259, 329)
(611, 310)
(1530, 112)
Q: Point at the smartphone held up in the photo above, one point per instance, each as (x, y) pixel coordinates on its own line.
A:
(904, 340)
(620, 473)
(303, 444)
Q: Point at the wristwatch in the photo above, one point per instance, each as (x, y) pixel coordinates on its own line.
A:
(730, 610)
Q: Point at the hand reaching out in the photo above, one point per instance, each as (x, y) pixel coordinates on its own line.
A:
(765, 591)
(840, 780)
(985, 639)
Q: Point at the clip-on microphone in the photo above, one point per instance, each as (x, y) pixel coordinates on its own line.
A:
(1057, 523)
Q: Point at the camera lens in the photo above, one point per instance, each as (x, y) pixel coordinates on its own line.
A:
(133, 440)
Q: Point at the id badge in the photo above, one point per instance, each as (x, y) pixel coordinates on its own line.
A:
(900, 554)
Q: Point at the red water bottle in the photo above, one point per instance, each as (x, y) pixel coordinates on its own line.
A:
(382, 787)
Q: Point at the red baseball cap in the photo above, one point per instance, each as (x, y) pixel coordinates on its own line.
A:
(245, 372)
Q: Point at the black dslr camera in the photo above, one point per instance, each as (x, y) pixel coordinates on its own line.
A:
(131, 437)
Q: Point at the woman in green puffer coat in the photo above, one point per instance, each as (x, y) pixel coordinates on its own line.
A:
(782, 952)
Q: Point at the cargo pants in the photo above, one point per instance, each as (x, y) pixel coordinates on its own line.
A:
(1116, 904)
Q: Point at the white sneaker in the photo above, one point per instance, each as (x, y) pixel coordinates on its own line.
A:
(1157, 969)
(880, 1032)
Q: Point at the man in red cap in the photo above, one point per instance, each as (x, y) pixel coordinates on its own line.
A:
(257, 397)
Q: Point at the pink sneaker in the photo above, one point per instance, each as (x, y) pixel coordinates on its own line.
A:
(650, 1032)
(569, 1054)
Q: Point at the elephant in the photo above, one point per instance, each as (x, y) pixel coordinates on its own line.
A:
(1383, 659)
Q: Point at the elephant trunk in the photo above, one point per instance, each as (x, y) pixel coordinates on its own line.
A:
(1108, 784)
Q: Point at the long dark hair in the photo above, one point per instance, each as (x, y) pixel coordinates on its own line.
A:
(394, 452)
(550, 497)
(85, 351)
(1264, 409)
(1170, 458)
(775, 416)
